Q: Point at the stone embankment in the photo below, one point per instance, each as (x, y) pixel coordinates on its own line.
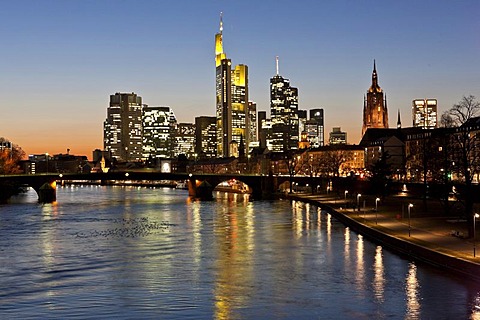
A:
(423, 237)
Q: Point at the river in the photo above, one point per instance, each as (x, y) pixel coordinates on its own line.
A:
(140, 253)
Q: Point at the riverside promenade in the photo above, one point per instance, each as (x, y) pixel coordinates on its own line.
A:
(427, 236)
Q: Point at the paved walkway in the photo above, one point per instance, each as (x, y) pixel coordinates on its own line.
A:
(428, 229)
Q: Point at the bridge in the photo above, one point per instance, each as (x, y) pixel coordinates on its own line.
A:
(200, 185)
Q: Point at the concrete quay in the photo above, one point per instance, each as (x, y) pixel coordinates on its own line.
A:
(423, 236)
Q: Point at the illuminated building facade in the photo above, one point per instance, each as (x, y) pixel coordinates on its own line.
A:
(232, 115)
(252, 121)
(205, 137)
(184, 140)
(315, 128)
(337, 136)
(375, 113)
(284, 114)
(424, 113)
(159, 124)
(122, 130)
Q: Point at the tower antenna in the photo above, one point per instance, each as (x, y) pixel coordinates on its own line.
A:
(276, 63)
(221, 22)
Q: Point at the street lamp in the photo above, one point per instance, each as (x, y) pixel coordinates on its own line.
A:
(358, 201)
(346, 191)
(46, 157)
(376, 210)
(476, 215)
(409, 225)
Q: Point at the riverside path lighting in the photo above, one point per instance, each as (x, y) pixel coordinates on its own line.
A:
(409, 225)
(346, 192)
(376, 210)
(475, 216)
(358, 201)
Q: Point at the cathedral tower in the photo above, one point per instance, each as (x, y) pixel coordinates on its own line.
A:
(375, 113)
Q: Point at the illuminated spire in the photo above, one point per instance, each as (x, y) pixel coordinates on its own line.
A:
(221, 22)
(276, 63)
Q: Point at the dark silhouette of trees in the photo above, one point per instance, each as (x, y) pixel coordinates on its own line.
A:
(381, 172)
(466, 147)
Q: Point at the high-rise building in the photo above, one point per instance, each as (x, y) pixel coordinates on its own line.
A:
(122, 130)
(252, 121)
(315, 128)
(302, 121)
(232, 115)
(337, 136)
(424, 113)
(205, 137)
(262, 135)
(159, 124)
(284, 113)
(375, 113)
(184, 140)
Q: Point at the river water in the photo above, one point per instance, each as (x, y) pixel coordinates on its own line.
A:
(139, 253)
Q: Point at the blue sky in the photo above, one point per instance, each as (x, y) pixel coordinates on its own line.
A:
(60, 60)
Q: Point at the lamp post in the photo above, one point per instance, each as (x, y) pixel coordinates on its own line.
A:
(376, 210)
(476, 215)
(358, 201)
(346, 192)
(409, 225)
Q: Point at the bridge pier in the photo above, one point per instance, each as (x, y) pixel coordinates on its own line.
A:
(202, 190)
(47, 193)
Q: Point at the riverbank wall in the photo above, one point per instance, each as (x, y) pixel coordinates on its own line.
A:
(399, 244)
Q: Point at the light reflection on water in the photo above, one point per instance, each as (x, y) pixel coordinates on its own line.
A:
(152, 253)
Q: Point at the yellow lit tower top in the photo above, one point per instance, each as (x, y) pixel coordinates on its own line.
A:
(219, 54)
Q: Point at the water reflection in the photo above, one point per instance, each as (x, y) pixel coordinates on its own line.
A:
(347, 248)
(360, 271)
(379, 276)
(476, 307)
(234, 275)
(412, 293)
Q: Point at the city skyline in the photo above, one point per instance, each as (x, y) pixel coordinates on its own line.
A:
(62, 60)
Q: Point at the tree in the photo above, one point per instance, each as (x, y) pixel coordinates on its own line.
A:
(466, 147)
(330, 161)
(294, 163)
(10, 156)
(381, 172)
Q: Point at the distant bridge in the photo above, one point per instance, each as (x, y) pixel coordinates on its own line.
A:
(200, 185)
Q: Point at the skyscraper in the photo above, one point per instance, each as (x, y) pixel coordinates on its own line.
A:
(315, 128)
(375, 113)
(184, 140)
(424, 113)
(252, 121)
(232, 115)
(284, 113)
(122, 130)
(205, 137)
(159, 124)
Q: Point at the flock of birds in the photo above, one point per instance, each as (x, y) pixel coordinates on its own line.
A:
(129, 228)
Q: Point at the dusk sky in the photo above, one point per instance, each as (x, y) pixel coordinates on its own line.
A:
(61, 60)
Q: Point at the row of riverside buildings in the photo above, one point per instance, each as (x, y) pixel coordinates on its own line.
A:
(240, 138)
